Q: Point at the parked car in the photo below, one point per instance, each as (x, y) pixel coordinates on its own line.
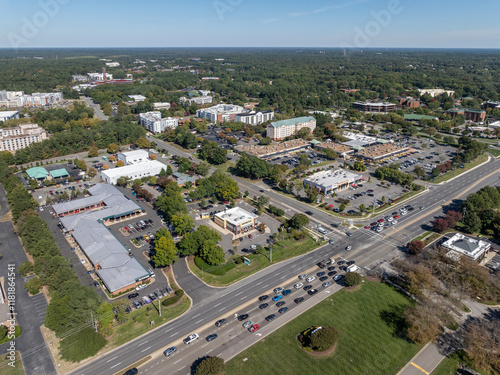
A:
(270, 318)
(133, 295)
(263, 306)
(283, 310)
(263, 298)
(298, 300)
(312, 292)
(277, 297)
(280, 303)
(278, 290)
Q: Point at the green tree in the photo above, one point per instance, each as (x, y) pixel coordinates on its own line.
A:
(165, 253)
(169, 170)
(105, 315)
(263, 200)
(93, 152)
(358, 166)
(210, 366)
(352, 278)
(182, 223)
(472, 222)
(362, 208)
(299, 221)
(112, 148)
(143, 143)
(33, 285)
(211, 253)
(342, 207)
(330, 154)
(202, 169)
(81, 344)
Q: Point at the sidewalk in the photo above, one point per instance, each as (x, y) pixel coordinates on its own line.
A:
(424, 362)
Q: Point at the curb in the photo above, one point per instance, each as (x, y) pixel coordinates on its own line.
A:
(465, 172)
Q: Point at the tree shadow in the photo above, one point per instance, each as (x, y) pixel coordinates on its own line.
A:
(394, 318)
(196, 363)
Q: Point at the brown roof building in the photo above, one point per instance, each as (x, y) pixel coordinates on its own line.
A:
(475, 115)
(409, 102)
(382, 152)
(374, 107)
(281, 148)
(339, 148)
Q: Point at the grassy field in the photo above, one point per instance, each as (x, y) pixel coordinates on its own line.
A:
(5, 369)
(494, 152)
(449, 175)
(369, 320)
(288, 249)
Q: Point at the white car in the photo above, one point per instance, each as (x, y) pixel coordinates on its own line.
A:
(298, 286)
(310, 278)
(394, 222)
(278, 289)
(82, 260)
(247, 324)
(348, 248)
(253, 247)
(191, 338)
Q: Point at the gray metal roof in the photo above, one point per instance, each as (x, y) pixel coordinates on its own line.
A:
(117, 268)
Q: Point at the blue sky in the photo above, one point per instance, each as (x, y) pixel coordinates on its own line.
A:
(245, 23)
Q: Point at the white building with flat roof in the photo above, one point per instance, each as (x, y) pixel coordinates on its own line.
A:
(255, 118)
(133, 171)
(220, 112)
(137, 98)
(99, 77)
(133, 157)
(113, 64)
(154, 123)
(460, 244)
(200, 100)
(159, 105)
(435, 92)
(237, 220)
(330, 181)
(8, 115)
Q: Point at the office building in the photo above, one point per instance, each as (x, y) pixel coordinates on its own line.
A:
(99, 77)
(133, 171)
(87, 220)
(474, 115)
(435, 92)
(112, 64)
(133, 157)
(374, 106)
(154, 123)
(159, 105)
(255, 118)
(237, 220)
(220, 113)
(200, 100)
(330, 181)
(463, 245)
(37, 99)
(382, 152)
(8, 115)
(286, 128)
(21, 136)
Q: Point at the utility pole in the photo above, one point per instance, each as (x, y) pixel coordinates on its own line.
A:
(159, 301)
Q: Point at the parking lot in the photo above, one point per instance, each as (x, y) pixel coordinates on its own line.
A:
(293, 160)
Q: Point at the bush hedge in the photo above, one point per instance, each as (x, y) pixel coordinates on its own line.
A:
(170, 301)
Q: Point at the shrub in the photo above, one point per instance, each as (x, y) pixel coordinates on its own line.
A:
(238, 260)
(3, 331)
(324, 338)
(33, 285)
(210, 366)
(82, 344)
(352, 278)
(170, 301)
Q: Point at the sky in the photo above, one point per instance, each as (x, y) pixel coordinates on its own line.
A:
(245, 23)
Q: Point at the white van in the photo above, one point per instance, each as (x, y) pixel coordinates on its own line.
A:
(321, 230)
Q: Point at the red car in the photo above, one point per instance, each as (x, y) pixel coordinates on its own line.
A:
(380, 220)
(254, 328)
(396, 216)
(367, 227)
(250, 236)
(225, 202)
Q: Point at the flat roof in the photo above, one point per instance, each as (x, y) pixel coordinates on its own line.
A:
(332, 178)
(236, 216)
(412, 117)
(291, 121)
(133, 168)
(135, 153)
(273, 148)
(117, 269)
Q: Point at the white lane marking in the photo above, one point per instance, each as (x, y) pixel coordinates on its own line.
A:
(211, 350)
(197, 315)
(222, 309)
(142, 343)
(173, 334)
(260, 282)
(199, 321)
(237, 294)
(109, 360)
(282, 277)
(145, 349)
(218, 304)
(177, 361)
(168, 329)
(115, 365)
(242, 298)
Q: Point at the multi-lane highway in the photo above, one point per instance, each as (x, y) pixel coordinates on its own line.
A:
(368, 250)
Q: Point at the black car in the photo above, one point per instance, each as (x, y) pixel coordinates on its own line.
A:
(323, 278)
(263, 306)
(243, 317)
(340, 262)
(350, 262)
(331, 268)
(270, 318)
(319, 274)
(283, 310)
(349, 234)
(280, 303)
(132, 371)
(309, 213)
(312, 292)
(332, 273)
(263, 298)
(307, 287)
(133, 295)
(211, 337)
(220, 322)
(298, 300)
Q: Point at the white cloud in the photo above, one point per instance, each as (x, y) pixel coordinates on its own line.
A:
(327, 8)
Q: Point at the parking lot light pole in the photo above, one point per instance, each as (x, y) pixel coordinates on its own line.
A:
(159, 301)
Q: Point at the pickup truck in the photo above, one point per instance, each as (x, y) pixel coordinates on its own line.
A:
(191, 338)
(352, 268)
(326, 263)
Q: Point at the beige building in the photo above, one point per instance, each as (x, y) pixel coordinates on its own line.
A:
(19, 137)
(282, 148)
(237, 220)
(285, 128)
(342, 150)
(382, 152)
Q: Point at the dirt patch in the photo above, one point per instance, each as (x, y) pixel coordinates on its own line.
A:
(374, 279)
(6, 217)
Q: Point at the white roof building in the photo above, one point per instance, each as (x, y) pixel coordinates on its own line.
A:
(112, 64)
(9, 115)
(164, 105)
(460, 244)
(137, 98)
(154, 123)
(200, 100)
(133, 157)
(329, 181)
(133, 171)
(100, 77)
(220, 112)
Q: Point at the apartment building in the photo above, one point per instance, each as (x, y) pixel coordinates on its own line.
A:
(435, 92)
(37, 99)
(220, 112)
(475, 115)
(8, 115)
(285, 128)
(409, 102)
(19, 137)
(99, 77)
(374, 107)
(255, 118)
(154, 123)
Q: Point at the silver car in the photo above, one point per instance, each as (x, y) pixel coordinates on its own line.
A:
(247, 324)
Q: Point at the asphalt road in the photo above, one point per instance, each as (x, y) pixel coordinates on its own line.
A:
(97, 111)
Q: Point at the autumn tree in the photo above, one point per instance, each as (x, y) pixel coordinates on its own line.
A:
(416, 247)
(440, 225)
(120, 163)
(93, 152)
(112, 148)
(481, 338)
(421, 322)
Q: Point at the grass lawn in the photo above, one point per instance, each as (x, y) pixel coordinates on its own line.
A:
(370, 341)
(449, 175)
(5, 369)
(138, 322)
(494, 152)
(450, 364)
(288, 249)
